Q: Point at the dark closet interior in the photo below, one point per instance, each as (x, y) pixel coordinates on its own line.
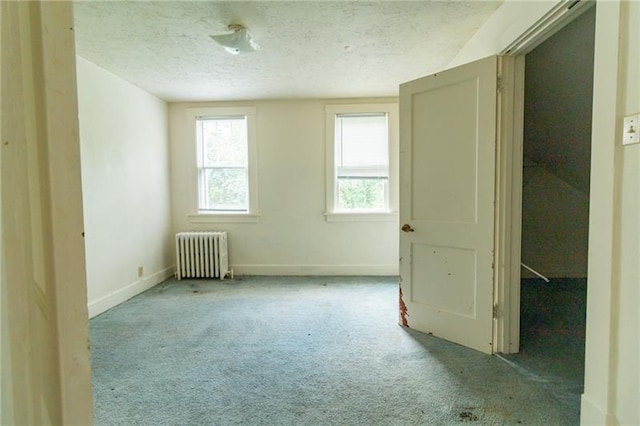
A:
(555, 208)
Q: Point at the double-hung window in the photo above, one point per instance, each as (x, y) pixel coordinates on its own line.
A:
(225, 149)
(362, 162)
(223, 164)
(359, 153)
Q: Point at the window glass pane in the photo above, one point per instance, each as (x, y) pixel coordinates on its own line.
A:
(226, 189)
(366, 194)
(224, 141)
(362, 140)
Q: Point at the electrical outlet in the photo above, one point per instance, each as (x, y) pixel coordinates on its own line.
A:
(631, 129)
(140, 271)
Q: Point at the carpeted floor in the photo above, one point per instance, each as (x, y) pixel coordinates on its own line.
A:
(552, 337)
(296, 351)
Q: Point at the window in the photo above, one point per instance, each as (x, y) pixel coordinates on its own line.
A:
(226, 175)
(359, 149)
(362, 162)
(223, 166)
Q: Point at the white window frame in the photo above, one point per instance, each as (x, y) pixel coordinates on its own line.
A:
(332, 214)
(206, 216)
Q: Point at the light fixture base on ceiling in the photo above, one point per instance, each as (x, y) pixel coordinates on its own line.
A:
(239, 41)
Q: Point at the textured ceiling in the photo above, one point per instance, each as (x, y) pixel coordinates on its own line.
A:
(310, 49)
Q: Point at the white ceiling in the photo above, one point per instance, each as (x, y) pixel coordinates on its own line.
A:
(310, 49)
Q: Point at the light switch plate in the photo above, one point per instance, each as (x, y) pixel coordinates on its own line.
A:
(631, 129)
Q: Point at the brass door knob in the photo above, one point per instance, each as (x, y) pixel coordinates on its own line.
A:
(407, 228)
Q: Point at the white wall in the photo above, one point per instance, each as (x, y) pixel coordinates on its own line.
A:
(292, 236)
(125, 179)
(612, 373)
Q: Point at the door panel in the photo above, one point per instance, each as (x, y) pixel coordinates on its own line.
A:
(438, 112)
(448, 275)
(447, 163)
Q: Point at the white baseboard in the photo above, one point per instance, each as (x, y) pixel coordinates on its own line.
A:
(591, 414)
(391, 269)
(123, 294)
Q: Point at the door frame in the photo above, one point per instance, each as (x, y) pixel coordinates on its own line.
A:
(40, 41)
(509, 161)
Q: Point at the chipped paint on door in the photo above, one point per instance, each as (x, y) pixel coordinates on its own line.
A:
(403, 308)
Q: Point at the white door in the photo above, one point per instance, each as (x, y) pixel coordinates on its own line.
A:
(447, 193)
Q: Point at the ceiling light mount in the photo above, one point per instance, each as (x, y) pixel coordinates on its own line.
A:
(235, 27)
(239, 41)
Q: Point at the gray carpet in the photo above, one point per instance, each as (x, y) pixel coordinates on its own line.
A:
(296, 351)
(552, 337)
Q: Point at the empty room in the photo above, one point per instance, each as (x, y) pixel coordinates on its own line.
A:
(320, 212)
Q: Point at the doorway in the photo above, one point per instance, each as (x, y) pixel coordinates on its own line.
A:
(558, 99)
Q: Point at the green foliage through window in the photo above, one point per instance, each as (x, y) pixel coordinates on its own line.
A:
(223, 151)
(226, 189)
(361, 194)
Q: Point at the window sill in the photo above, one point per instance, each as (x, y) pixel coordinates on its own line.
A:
(223, 218)
(361, 217)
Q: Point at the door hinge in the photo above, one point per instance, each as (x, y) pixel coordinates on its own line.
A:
(499, 84)
(495, 311)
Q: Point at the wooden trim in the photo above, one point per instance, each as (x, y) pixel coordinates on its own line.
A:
(604, 217)
(552, 22)
(516, 205)
(508, 205)
(60, 169)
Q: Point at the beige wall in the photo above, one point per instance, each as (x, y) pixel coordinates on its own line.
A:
(124, 140)
(292, 236)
